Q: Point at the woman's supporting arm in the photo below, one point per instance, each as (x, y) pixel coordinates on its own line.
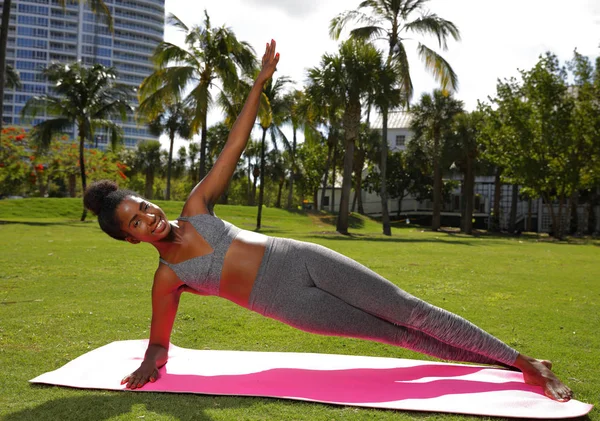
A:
(208, 191)
(166, 292)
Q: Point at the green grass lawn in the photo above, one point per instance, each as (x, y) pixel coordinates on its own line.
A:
(67, 288)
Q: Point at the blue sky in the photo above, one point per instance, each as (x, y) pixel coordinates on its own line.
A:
(498, 37)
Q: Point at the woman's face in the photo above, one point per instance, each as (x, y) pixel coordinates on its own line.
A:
(142, 220)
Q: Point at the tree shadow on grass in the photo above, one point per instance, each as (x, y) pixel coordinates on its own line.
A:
(358, 237)
(69, 222)
(114, 404)
(182, 407)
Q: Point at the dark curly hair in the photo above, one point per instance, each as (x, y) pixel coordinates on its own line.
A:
(102, 198)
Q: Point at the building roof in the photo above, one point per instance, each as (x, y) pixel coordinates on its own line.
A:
(396, 120)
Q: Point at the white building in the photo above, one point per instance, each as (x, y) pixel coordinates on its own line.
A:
(42, 31)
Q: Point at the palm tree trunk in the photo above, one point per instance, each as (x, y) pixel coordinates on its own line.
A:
(292, 174)
(497, 197)
(385, 216)
(334, 158)
(82, 169)
(279, 191)
(261, 192)
(512, 219)
(351, 125)
(3, 41)
(573, 217)
(327, 163)
(169, 165)
(203, 132)
(149, 185)
(469, 196)
(253, 197)
(437, 196)
(72, 180)
(437, 181)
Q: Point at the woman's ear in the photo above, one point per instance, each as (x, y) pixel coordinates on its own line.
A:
(132, 240)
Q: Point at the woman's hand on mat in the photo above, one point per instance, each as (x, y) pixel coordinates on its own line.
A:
(146, 373)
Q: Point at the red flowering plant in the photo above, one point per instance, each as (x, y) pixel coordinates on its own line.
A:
(27, 170)
(15, 164)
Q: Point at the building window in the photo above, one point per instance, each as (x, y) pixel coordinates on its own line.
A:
(400, 140)
(325, 201)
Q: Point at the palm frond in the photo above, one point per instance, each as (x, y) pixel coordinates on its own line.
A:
(439, 67)
(400, 61)
(40, 104)
(410, 6)
(337, 24)
(166, 54)
(42, 133)
(367, 32)
(199, 100)
(173, 20)
(11, 77)
(98, 7)
(431, 24)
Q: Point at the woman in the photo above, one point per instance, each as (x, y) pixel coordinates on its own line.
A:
(304, 285)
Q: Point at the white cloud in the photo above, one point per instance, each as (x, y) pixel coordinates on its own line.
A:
(293, 8)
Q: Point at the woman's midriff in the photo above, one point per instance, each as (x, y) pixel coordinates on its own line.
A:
(240, 267)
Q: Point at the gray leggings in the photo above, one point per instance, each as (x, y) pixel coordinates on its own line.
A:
(315, 289)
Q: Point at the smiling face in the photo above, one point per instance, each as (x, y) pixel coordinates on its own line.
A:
(142, 220)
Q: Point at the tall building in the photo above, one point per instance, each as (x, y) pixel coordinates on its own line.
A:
(42, 31)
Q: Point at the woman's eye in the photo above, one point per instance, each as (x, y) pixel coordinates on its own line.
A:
(136, 223)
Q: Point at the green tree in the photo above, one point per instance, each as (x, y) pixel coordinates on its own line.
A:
(148, 162)
(271, 115)
(298, 117)
(432, 126)
(464, 150)
(325, 110)
(97, 6)
(312, 161)
(212, 55)
(87, 98)
(399, 178)
(396, 22)
(584, 153)
(347, 77)
(174, 120)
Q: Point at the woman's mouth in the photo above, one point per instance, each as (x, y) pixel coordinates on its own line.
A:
(160, 227)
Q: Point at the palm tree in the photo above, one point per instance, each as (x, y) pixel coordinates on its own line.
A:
(271, 115)
(12, 78)
(173, 121)
(323, 110)
(97, 6)
(212, 55)
(87, 98)
(348, 76)
(466, 147)
(386, 95)
(297, 117)
(148, 161)
(394, 21)
(432, 126)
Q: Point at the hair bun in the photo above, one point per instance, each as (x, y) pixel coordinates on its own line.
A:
(96, 193)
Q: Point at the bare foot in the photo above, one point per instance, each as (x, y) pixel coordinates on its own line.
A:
(538, 372)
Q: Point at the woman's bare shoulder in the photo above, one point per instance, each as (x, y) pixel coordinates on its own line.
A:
(193, 207)
(165, 280)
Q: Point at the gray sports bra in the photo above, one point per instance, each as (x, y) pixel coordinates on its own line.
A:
(203, 273)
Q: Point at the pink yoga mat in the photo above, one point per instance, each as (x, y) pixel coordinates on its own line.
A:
(335, 379)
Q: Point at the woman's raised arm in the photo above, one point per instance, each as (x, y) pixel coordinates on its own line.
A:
(208, 191)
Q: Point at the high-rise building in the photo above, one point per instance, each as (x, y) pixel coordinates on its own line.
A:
(42, 31)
